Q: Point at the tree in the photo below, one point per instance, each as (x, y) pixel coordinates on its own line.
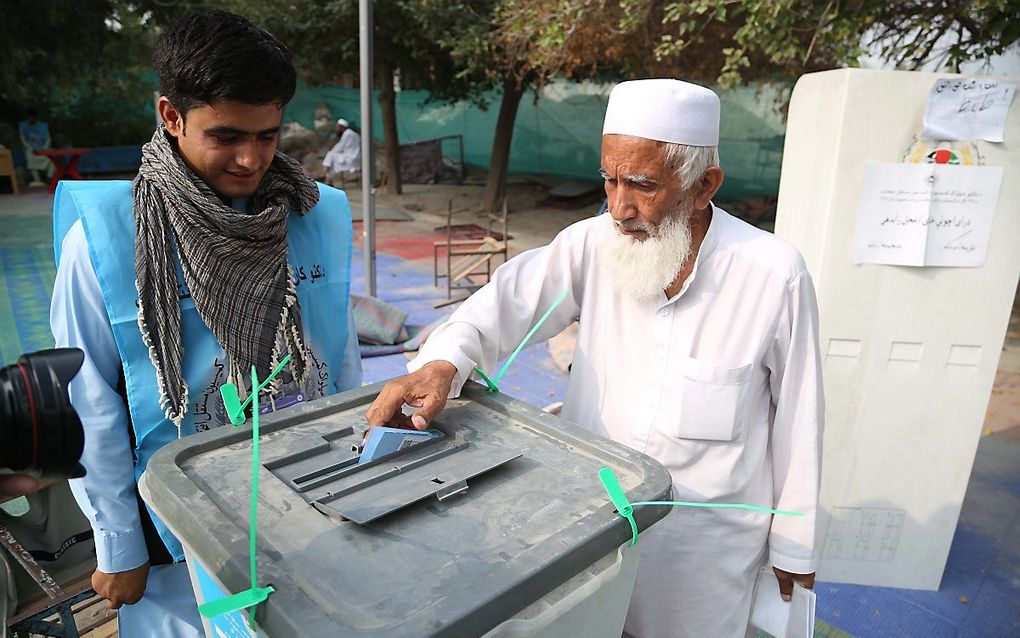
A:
(323, 36)
(538, 40)
(749, 39)
(521, 44)
(86, 67)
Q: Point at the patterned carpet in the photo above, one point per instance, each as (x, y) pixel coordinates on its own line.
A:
(26, 283)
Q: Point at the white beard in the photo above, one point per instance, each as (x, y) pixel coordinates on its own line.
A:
(644, 269)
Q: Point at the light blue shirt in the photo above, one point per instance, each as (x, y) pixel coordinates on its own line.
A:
(36, 136)
(106, 494)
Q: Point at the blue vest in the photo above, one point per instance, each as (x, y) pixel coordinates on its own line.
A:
(319, 255)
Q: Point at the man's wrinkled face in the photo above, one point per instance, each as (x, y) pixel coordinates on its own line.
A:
(641, 189)
(228, 144)
(650, 239)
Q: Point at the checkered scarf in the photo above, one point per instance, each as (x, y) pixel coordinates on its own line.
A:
(234, 265)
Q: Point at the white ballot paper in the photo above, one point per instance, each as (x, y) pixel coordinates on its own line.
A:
(967, 109)
(926, 214)
(775, 616)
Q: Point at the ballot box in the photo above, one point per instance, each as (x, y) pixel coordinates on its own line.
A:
(498, 526)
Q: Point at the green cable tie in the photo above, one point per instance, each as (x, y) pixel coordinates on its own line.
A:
(249, 598)
(232, 401)
(254, 487)
(626, 509)
(489, 382)
(244, 600)
(723, 506)
(619, 499)
(492, 383)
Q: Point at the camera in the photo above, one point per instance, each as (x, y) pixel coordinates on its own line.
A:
(40, 433)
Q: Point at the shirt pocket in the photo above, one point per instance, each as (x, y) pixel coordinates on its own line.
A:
(713, 402)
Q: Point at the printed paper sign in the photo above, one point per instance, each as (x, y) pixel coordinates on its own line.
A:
(926, 214)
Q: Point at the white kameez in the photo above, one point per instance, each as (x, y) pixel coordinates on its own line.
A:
(345, 154)
(721, 384)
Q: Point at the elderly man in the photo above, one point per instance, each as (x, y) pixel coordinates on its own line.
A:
(344, 159)
(698, 345)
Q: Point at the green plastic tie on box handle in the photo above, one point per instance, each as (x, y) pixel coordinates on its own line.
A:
(249, 598)
(489, 382)
(244, 600)
(619, 499)
(626, 509)
(232, 401)
(493, 383)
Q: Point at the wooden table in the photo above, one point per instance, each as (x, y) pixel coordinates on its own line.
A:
(65, 163)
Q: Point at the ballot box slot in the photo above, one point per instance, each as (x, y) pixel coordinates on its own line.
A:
(442, 476)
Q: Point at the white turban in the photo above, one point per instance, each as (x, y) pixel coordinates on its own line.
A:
(664, 110)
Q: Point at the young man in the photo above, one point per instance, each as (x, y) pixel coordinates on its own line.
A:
(698, 345)
(221, 255)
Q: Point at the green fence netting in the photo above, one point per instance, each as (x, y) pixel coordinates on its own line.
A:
(560, 133)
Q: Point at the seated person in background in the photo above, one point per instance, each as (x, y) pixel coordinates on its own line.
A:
(344, 159)
(35, 136)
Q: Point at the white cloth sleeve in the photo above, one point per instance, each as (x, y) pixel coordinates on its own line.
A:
(796, 437)
(490, 323)
(106, 494)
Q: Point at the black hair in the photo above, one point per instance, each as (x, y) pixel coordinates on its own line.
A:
(31, 113)
(218, 55)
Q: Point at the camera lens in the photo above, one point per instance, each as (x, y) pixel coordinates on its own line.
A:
(39, 430)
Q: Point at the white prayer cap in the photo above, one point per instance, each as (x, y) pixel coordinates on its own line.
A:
(344, 123)
(664, 110)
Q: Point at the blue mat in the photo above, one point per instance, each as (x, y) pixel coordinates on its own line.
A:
(26, 284)
(980, 592)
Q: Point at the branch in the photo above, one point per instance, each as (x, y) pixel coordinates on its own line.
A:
(918, 60)
(694, 37)
(972, 27)
(814, 36)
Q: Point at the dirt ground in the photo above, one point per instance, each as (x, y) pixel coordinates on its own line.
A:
(531, 226)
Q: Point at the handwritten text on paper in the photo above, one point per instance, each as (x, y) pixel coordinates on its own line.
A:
(967, 109)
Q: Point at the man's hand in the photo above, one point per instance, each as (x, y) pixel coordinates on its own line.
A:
(121, 588)
(15, 485)
(425, 389)
(787, 579)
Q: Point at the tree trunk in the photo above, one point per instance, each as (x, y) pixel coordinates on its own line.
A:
(391, 140)
(499, 162)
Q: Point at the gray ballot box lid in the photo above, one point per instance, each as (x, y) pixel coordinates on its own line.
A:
(445, 538)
